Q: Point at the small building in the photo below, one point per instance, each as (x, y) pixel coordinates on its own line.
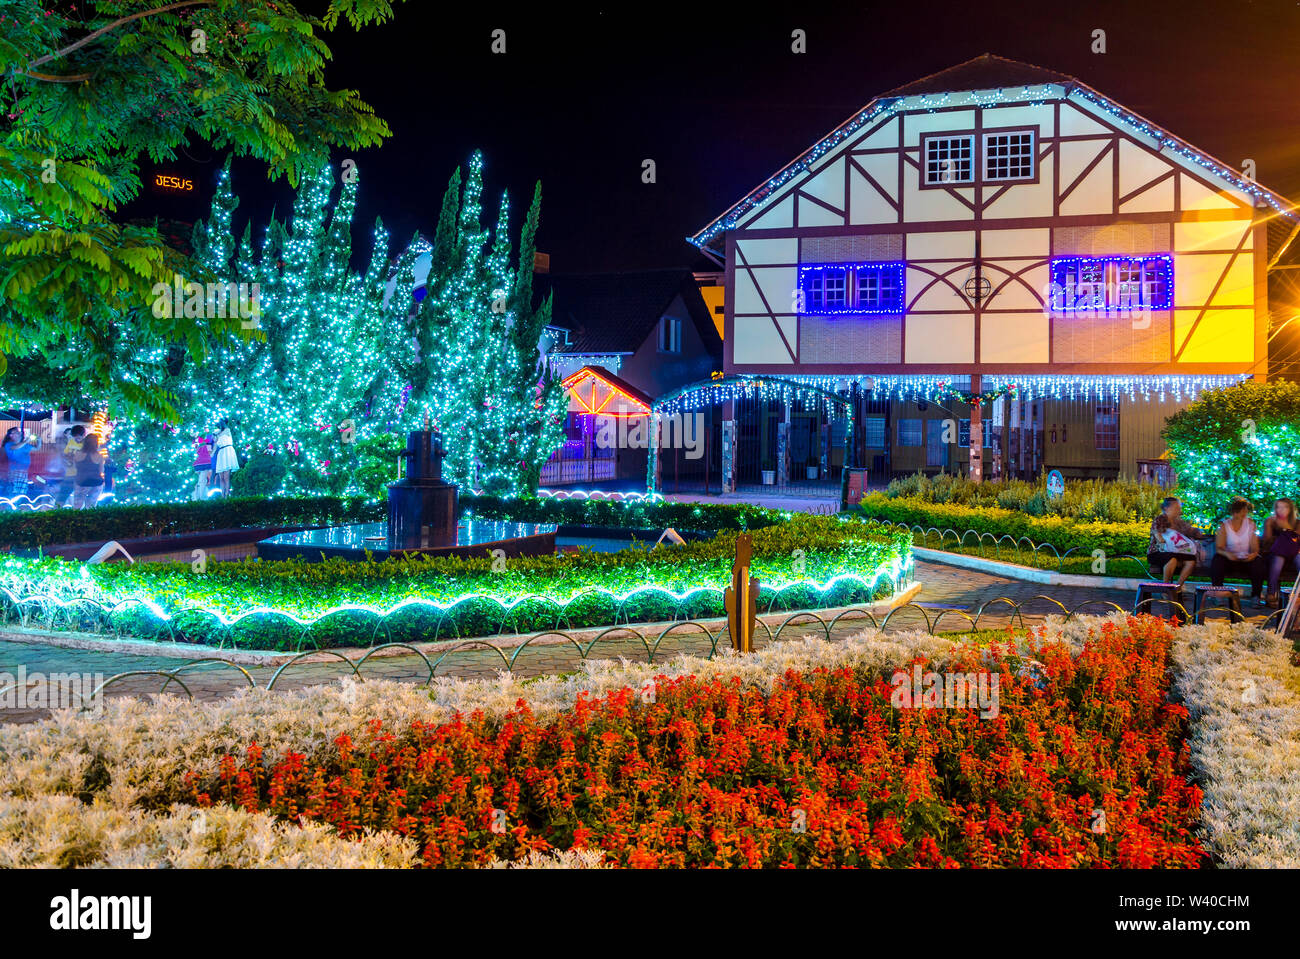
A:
(620, 341)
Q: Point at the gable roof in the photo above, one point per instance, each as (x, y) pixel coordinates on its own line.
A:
(615, 312)
(985, 72)
(598, 373)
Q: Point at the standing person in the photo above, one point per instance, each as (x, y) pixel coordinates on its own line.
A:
(90, 473)
(18, 450)
(1281, 546)
(1237, 549)
(203, 464)
(1172, 547)
(227, 460)
(74, 439)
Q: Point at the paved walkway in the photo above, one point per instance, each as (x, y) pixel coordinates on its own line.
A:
(944, 588)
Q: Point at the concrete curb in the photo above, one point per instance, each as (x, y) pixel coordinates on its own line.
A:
(1026, 573)
(254, 657)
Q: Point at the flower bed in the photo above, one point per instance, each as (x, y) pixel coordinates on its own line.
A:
(110, 789)
(818, 769)
(717, 765)
(802, 561)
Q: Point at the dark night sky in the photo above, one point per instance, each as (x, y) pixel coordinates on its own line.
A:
(714, 95)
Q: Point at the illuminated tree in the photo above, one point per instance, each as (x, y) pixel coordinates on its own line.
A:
(480, 372)
(1240, 441)
(93, 87)
(302, 388)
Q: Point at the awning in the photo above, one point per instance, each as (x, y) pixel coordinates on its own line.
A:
(594, 389)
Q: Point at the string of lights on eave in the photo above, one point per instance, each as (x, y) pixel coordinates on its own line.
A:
(1033, 95)
(827, 391)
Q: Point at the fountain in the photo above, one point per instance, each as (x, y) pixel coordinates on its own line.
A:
(421, 519)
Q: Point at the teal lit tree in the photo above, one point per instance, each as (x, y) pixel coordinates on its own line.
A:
(302, 388)
(480, 372)
(1240, 441)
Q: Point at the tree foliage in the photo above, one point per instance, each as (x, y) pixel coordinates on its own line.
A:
(1240, 441)
(89, 89)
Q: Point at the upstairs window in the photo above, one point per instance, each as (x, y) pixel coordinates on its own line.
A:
(1112, 284)
(1009, 155)
(949, 159)
(825, 288)
(834, 288)
(670, 335)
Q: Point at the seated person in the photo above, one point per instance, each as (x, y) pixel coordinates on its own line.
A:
(1237, 550)
(1281, 546)
(1173, 543)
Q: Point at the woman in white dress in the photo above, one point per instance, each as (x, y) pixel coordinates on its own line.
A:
(227, 461)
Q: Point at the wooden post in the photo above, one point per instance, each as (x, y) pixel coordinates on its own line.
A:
(976, 431)
(741, 597)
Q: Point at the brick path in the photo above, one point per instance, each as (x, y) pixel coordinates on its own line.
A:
(944, 587)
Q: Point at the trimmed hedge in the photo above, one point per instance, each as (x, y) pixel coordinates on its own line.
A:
(633, 515)
(530, 594)
(33, 530)
(1115, 539)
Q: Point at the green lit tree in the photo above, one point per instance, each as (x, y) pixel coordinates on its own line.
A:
(301, 388)
(1239, 441)
(479, 371)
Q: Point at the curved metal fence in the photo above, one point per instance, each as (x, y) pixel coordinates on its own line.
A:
(1006, 546)
(651, 642)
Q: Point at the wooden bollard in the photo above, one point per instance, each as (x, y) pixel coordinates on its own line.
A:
(741, 597)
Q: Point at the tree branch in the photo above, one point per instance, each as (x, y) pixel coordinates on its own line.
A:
(90, 37)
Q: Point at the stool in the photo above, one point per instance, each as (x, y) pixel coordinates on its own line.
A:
(1166, 592)
(1203, 593)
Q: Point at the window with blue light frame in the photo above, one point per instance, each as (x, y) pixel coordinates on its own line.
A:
(830, 289)
(1112, 284)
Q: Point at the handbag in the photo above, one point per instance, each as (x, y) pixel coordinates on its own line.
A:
(1286, 543)
(1176, 542)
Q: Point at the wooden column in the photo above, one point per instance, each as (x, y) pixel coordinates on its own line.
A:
(976, 432)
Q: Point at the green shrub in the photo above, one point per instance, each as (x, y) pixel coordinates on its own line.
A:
(33, 530)
(1064, 533)
(1243, 440)
(262, 475)
(568, 590)
(1110, 501)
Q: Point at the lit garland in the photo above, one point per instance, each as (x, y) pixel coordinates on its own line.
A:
(923, 386)
(864, 559)
(1108, 387)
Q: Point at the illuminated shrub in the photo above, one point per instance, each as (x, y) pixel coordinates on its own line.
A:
(1239, 441)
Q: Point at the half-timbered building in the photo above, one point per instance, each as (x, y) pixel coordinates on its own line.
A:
(1001, 270)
